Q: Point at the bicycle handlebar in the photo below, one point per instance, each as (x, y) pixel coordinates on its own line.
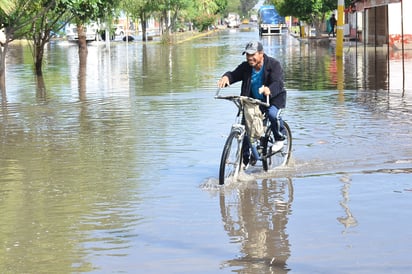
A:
(242, 98)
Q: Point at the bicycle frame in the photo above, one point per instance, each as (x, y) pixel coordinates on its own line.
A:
(239, 133)
(260, 147)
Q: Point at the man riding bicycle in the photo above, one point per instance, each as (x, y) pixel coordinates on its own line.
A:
(261, 76)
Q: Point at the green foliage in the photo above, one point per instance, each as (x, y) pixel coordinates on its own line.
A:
(310, 11)
(242, 7)
(221, 4)
(203, 13)
(203, 22)
(306, 10)
(232, 6)
(135, 7)
(196, 11)
(85, 11)
(6, 7)
(16, 16)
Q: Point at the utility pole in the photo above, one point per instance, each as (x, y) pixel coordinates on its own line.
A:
(339, 29)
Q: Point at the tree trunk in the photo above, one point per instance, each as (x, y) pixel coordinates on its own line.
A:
(3, 52)
(38, 58)
(82, 61)
(41, 87)
(144, 29)
(165, 22)
(82, 41)
(82, 78)
(3, 87)
(317, 23)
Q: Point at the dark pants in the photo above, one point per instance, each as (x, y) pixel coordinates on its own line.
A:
(276, 122)
(332, 30)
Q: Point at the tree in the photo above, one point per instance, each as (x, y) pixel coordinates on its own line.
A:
(202, 12)
(205, 13)
(311, 11)
(138, 9)
(42, 29)
(15, 17)
(85, 11)
(232, 6)
(175, 7)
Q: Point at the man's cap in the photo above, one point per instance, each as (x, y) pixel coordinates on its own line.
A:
(252, 47)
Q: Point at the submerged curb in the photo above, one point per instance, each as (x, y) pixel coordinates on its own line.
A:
(198, 35)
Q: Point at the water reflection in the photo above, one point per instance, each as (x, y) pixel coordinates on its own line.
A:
(348, 220)
(309, 67)
(82, 76)
(67, 186)
(141, 68)
(256, 217)
(40, 88)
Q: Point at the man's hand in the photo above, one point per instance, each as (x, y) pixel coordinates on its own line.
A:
(223, 82)
(264, 90)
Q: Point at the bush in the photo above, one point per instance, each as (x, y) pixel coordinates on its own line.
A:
(203, 22)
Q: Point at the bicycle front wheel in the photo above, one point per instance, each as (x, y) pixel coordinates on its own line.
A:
(231, 160)
(277, 158)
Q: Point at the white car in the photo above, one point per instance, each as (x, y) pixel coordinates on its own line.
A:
(119, 30)
(2, 37)
(92, 32)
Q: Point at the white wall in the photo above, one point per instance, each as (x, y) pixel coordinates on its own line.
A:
(395, 17)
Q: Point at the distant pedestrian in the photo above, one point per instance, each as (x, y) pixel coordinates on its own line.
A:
(332, 22)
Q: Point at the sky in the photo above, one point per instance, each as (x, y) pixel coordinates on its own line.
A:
(259, 3)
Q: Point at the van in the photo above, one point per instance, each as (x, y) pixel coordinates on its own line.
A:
(233, 20)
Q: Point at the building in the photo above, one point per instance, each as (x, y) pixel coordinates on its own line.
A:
(381, 22)
(386, 26)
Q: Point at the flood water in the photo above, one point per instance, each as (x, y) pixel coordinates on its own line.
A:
(117, 172)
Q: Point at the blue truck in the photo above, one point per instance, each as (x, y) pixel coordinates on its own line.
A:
(270, 22)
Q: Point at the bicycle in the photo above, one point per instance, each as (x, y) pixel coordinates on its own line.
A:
(260, 148)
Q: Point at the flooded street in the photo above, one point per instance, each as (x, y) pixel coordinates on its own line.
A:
(118, 172)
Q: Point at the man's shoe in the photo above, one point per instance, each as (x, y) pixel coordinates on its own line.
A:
(253, 161)
(278, 145)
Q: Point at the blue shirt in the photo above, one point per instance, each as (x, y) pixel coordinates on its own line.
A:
(256, 83)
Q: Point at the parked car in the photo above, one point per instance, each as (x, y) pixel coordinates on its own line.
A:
(92, 32)
(119, 30)
(2, 37)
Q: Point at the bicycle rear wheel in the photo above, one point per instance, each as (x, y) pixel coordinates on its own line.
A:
(231, 160)
(281, 157)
